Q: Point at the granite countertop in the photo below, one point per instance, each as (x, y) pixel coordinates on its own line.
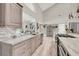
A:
(71, 44)
(5, 38)
(15, 40)
(74, 34)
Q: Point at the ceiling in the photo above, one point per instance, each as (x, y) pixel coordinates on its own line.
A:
(45, 6)
(31, 6)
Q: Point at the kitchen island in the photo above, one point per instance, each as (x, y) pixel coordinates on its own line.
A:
(21, 46)
(68, 46)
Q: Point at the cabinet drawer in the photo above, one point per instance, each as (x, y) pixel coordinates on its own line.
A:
(19, 45)
(21, 53)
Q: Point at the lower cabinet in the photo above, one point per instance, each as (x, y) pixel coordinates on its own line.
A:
(25, 48)
(19, 51)
(33, 45)
(28, 49)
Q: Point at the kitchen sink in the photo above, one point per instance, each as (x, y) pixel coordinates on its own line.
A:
(66, 35)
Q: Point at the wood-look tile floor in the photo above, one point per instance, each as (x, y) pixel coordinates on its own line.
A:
(47, 48)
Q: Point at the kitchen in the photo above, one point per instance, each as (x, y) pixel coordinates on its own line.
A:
(39, 29)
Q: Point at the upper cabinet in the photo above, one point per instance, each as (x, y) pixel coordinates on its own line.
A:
(2, 12)
(12, 15)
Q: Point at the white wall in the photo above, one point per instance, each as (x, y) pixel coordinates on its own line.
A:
(26, 19)
(29, 14)
(37, 14)
(59, 13)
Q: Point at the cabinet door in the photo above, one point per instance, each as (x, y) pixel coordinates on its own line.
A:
(2, 14)
(49, 31)
(33, 44)
(15, 15)
(38, 41)
(19, 49)
(28, 47)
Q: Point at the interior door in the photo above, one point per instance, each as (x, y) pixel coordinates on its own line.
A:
(49, 31)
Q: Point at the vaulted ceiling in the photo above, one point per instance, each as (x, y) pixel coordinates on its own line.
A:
(45, 6)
